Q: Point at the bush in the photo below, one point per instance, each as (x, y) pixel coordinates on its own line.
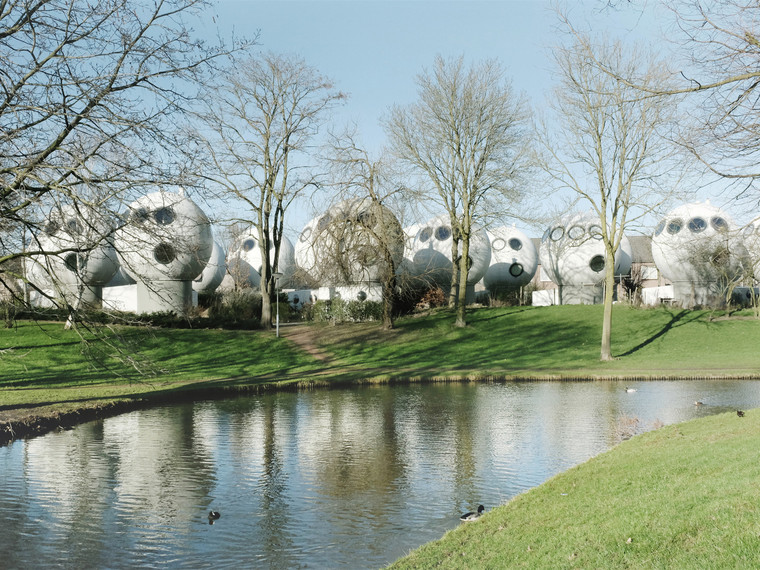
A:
(340, 311)
(236, 306)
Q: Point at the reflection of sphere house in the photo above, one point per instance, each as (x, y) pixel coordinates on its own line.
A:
(164, 244)
(213, 274)
(513, 259)
(86, 261)
(696, 247)
(573, 255)
(345, 244)
(245, 258)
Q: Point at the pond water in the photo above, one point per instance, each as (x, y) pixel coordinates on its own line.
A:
(317, 479)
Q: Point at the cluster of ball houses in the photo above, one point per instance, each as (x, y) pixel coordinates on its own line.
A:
(163, 253)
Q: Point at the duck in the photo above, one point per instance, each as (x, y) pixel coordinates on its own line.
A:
(698, 403)
(740, 413)
(469, 517)
(630, 390)
(214, 515)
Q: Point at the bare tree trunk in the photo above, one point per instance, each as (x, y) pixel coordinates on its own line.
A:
(609, 287)
(462, 284)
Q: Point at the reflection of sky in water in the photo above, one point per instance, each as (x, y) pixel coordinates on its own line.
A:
(333, 478)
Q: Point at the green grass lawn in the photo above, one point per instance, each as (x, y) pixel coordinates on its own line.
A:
(683, 496)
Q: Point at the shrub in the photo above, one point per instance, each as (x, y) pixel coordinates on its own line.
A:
(340, 311)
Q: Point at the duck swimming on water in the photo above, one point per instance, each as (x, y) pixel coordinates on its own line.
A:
(468, 517)
(213, 516)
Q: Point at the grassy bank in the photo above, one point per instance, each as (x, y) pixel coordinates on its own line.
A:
(683, 496)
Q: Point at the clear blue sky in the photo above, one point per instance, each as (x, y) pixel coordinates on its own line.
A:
(374, 49)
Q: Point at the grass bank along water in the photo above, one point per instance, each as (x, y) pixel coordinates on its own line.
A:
(48, 372)
(682, 496)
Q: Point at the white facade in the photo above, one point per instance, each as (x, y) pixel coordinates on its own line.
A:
(245, 261)
(514, 259)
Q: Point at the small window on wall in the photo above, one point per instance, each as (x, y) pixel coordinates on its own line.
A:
(674, 226)
(361, 296)
(425, 234)
(72, 262)
(164, 253)
(597, 263)
(515, 270)
(515, 244)
(249, 244)
(499, 244)
(576, 232)
(164, 216)
(719, 224)
(305, 235)
(659, 228)
(697, 225)
(649, 272)
(557, 233)
(442, 233)
(595, 231)
(139, 215)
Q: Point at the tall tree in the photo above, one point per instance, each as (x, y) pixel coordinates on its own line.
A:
(466, 137)
(607, 146)
(257, 130)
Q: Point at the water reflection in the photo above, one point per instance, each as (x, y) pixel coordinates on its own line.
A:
(349, 478)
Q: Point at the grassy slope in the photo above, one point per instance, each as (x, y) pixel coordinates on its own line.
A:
(683, 496)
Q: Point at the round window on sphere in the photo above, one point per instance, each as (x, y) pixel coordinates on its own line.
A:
(697, 225)
(597, 263)
(323, 222)
(72, 262)
(139, 215)
(546, 235)
(719, 224)
(361, 296)
(515, 244)
(469, 263)
(442, 233)
(595, 231)
(557, 233)
(425, 234)
(73, 226)
(515, 270)
(674, 226)
(164, 216)
(164, 253)
(498, 244)
(52, 227)
(576, 232)
(659, 228)
(305, 235)
(249, 244)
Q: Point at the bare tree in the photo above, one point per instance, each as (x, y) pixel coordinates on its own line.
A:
(466, 137)
(377, 238)
(257, 128)
(607, 145)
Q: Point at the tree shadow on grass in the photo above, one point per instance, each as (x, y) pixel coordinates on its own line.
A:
(675, 320)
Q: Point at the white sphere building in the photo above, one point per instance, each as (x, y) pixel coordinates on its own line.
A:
(79, 258)
(245, 261)
(573, 256)
(343, 250)
(213, 274)
(514, 260)
(698, 248)
(431, 254)
(164, 244)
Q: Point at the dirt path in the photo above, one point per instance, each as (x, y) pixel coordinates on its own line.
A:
(304, 336)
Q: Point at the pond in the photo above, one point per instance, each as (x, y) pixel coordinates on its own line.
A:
(316, 479)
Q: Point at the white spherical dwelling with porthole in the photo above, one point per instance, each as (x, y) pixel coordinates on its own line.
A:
(699, 249)
(431, 254)
(78, 259)
(245, 261)
(514, 260)
(213, 274)
(343, 249)
(573, 256)
(164, 244)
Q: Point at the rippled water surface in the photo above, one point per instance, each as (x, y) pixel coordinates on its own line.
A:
(322, 479)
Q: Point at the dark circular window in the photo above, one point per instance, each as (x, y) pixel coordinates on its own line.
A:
(595, 231)
(697, 225)
(515, 244)
(557, 233)
(597, 263)
(425, 234)
(323, 222)
(576, 232)
(164, 216)
(674, 226)
(361, 296)
(305, 235)
(719, 224)
(498, 244)
(73, 226)
(139, 215)
(250, 243)
(164, 253)
(442, 233)
(366, 219)
(659, 228)
(52, 227)
(515, 270)
(72, 262)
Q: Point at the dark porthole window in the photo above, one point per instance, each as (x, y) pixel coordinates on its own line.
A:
(164, 253)
(442, 233)
(659, 228)
(425, 234)
(164, 216)
(361, 296)
(323, 222)
(515, 244)
(73, 226)
(719, 224)
(140, 215)
(52, 227)
(249, 244)
(576, 232)
(697, 225)
(674, 226)
(499, 244)
(515, 270)
(557, 233)
(72, 262)
(305, 235)
(597, 263)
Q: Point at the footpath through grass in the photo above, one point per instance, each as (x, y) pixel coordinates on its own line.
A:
(683, 496)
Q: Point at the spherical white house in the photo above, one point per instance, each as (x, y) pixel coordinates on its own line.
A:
(698, 248)
(514, 259)
(344, 245)
(164, 244)
(431, 254)
(751, 238)
(573, 256)
(245, 261)
(213, 274)
(79, 258)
